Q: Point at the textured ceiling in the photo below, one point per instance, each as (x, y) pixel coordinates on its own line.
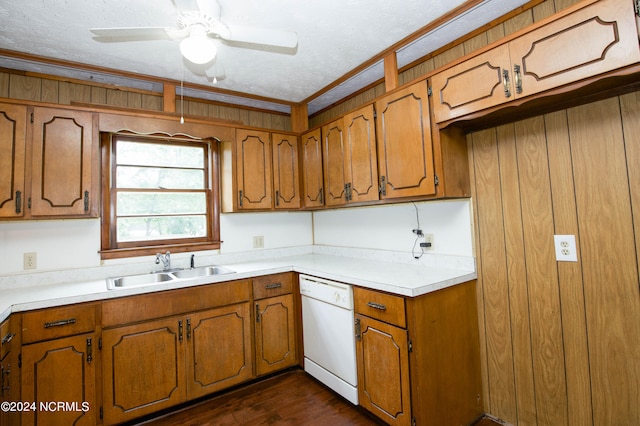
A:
(334, 38)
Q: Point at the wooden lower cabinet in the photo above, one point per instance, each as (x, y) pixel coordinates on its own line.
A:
(275, 335)
(9, 369)
(383, 370)
(160, 363)
(418, 358)
(60, 371)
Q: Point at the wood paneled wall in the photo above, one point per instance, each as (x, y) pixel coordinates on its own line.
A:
(560, 340)
(17, 85)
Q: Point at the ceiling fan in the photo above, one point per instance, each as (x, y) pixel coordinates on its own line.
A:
(199, 28)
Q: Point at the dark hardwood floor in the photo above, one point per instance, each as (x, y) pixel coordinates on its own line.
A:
(291, 398)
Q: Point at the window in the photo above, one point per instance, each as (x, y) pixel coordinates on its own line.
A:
(158, 195)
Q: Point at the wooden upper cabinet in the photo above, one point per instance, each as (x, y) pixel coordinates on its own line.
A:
(586, 40)
(333, 162)
(253, 169)
(473, 85)
(405, 149)
(286, 172)
(592, 40)
(62, 166)
(312, 176)
(361, 163)
(13, 124)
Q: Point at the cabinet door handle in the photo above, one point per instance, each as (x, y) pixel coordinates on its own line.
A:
(188, 328)
(86, 201)
(60, 323)
(240, 198)
(277, 198)
(257, 313)
(180, 330)
(517, 76)
(378, 306)
(506, 83)
(272, 286)
(18, 201)
(321, 195)
(383, 185)
(5, 372)
(89, 351)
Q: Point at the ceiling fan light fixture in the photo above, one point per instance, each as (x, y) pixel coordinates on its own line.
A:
(198, 47)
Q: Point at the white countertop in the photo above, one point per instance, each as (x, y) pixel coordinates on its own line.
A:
(399, 278)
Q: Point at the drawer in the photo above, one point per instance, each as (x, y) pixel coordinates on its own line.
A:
(130, 309)
(8, 335)
(272, 285)
(382, 306)
(52, 323)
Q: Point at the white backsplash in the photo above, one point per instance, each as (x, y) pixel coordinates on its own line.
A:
(67, 250)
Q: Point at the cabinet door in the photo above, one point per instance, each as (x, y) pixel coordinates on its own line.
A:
(253, 168)
(405, 151)
(275, 334)
(333, 162)
(13, 122)
(361, 163)
(286, 172)
(383, 370)
(218, 349)
(312, 179)
(143, 368)
(9, 370)
(592, 40)
(60, 370)
(475, 84)
(62, 163)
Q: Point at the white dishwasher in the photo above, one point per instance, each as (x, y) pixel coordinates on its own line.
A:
(329, 339)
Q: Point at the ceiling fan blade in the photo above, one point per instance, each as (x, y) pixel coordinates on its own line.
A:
(277, 38)
(132, 33)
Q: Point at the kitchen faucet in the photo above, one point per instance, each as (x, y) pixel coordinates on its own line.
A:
(166, 260)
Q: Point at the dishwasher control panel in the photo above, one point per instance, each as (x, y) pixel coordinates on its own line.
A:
(333, 292)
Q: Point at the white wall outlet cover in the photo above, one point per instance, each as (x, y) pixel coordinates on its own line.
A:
(566, 250)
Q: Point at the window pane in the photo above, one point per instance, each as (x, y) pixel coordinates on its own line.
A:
(156, 154)
(161, 227)
(160, 203)
(151, 177)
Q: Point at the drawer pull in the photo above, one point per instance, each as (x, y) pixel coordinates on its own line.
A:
(9, 337)
(272, 286)
(60, 323)
(378, 306)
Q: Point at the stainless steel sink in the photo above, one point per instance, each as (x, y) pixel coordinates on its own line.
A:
(138, 280)
(160, 277)
(202, 272)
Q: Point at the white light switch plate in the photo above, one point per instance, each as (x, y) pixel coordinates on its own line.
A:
(566, 248)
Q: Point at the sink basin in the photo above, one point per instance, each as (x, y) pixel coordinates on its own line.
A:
(160, 277)
(138, 280)
(202, 272)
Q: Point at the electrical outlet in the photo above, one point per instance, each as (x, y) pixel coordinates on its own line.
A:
(428, 239)
(566, 248)
(30, 260)
(258, 241)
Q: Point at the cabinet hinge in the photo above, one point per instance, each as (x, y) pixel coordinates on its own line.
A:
(413, 421)
(410, 345)
(429, 91)
(20, 360)
(101, 413)
(436, 180)
(31, 118)
(100, 343)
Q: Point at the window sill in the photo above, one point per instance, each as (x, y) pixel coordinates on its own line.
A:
(152, 250)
